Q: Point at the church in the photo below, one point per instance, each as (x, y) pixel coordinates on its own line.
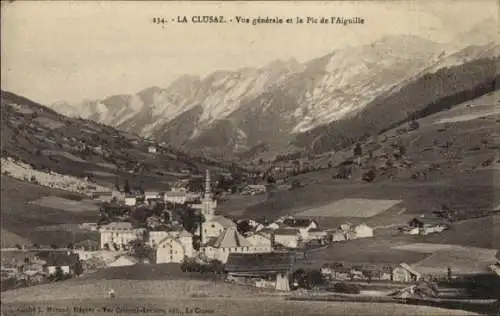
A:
(219, 236)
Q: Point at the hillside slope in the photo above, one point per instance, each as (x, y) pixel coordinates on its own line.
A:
(449, 158)
(50, 142)
(431, 93)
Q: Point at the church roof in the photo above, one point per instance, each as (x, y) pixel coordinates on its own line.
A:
(230, 238)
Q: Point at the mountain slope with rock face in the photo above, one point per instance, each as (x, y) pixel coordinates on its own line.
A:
(266, 103)
(233, 111)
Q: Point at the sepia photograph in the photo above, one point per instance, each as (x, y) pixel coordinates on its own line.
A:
(250, 158)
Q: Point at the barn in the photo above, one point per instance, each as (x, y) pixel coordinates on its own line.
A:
(272, 269)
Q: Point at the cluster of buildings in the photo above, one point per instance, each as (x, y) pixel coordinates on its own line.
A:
(402, 273)
(254, 189)
(219, 235)
(424, 226)
(30, 268)
(174, 196)
(22, 171)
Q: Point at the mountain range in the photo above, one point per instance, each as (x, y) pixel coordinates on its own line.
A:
(276, 108)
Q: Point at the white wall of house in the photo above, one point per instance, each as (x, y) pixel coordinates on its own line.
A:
(120, 237)
(130, 201)
(175, 198)
(170, 250)
(53, 269)
(151, 195)
(222, 254)
(290, 241)
(259, 240)
(363, 231)
(315, 235)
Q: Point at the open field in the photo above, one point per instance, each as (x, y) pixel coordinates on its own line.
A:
(460, 259)
(474, 109)
(164, 288)
(431, 248)
(222, 306)
(468, 192)
(351, 208)
(459, 262)
(9, 239)
(66, 204)
(376, 250)
(22, 218)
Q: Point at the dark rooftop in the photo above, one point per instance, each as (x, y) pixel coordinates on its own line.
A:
(59, 259)
(298, 223)
(259, 262)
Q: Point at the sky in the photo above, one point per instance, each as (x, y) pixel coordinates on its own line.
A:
(53, 51)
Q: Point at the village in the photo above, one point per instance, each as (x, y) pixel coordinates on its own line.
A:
(184, 228)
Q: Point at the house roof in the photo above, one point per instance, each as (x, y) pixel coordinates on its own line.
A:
(230, 238)
(224, 221)
(362, 226)
(118, 226)
(420, 221)
(175, 194)
(298, 222)
(256, 262)
(316, 230)
(286, 231)
(59, 259)
(410, 269)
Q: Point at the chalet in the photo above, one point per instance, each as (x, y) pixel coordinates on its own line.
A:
(363, 231)
(176, 246)
(405, 273)
(425, 226)
(274, 267)
(287, 237)
(303, 225)
(59, 260)
(117, 235)
(316, 234)
(152, 195)
(130, 200)
(175, 197)
(34, 277)
(338, 236)
(495, 268)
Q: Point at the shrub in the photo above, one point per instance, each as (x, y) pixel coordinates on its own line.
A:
(346, 288)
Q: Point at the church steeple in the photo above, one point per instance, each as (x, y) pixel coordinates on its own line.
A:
(208, 204)
(208, 188)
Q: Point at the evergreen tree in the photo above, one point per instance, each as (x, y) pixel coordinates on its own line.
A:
(78, 268)
(59, 275)
(126, 188)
